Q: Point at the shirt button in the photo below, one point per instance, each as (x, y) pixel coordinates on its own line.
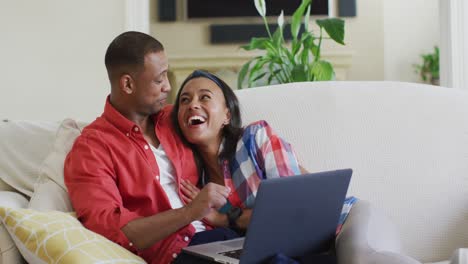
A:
(130, 244)
(157, 177)
(136, 129)
(186, 239)
(127, 134)
(146, 147)
(174, 255)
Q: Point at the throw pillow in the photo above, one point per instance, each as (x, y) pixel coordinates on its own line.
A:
(57, 237)
(50, 192)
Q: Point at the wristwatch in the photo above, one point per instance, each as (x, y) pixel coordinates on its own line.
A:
(233, 214)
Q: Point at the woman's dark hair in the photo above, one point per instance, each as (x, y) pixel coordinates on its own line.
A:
(231, 132)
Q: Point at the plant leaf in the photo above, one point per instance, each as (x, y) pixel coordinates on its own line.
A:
(334, 28)
(253, 71)
(296, 45)
(271, 68)
(278, 37)
(298, 74)
(270, 78)
(305, 56)
(315, 49)
(296, 18)
(322, 71)
(256, 43)
(243, 72)
(274, 74)
(306, 19)
(429, 69)
(271, 48)
(289, 55)
(308, 41)
(259, 77)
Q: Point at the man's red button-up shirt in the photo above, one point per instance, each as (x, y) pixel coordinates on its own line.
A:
(112, 178)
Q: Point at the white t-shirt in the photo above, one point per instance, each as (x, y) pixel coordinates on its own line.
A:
(167, 181)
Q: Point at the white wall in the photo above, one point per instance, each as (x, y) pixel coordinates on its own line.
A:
(52, 57)
(364, 37)
(411, 28)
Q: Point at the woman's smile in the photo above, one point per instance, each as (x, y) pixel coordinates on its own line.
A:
(196, 120)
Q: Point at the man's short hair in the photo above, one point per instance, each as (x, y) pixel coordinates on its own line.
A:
(126, 53)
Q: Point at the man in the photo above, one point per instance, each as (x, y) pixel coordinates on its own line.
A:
(124, 171)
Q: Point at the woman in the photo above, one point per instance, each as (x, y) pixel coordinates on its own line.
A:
(206, 113)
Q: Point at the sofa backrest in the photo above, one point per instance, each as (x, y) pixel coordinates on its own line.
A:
(407, 144)
(24, 145)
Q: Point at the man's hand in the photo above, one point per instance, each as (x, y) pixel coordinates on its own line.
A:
(212, 196)
(189, 192)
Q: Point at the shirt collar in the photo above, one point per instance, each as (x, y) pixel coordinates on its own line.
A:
(114, 117)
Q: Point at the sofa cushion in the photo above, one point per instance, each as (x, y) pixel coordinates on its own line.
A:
(57, 237)
(50, 192)
(25, 146)
(48, 195)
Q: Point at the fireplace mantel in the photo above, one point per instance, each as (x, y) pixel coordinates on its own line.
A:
(227, 66)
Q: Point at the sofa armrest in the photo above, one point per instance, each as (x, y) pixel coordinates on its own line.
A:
(368, 236)
(8, 251)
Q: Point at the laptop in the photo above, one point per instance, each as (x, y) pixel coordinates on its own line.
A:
(292, 215)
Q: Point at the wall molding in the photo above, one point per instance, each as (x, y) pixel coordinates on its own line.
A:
(453, 43)
(137, 16)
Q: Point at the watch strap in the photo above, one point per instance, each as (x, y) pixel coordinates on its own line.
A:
(233, 214)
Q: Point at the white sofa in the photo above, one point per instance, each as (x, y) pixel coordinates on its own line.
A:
(407, 144)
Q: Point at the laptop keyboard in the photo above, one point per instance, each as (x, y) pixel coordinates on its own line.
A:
(235, 254)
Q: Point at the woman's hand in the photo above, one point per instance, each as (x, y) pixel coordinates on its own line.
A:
(189, 191)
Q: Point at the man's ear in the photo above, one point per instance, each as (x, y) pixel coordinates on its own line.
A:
(126, 84)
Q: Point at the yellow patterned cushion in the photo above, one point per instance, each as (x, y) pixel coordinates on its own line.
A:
(57, 237)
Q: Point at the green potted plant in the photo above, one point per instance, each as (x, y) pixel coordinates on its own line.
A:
(298, 62)
(429, 69)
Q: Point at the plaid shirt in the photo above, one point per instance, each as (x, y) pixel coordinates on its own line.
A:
(262, 154)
